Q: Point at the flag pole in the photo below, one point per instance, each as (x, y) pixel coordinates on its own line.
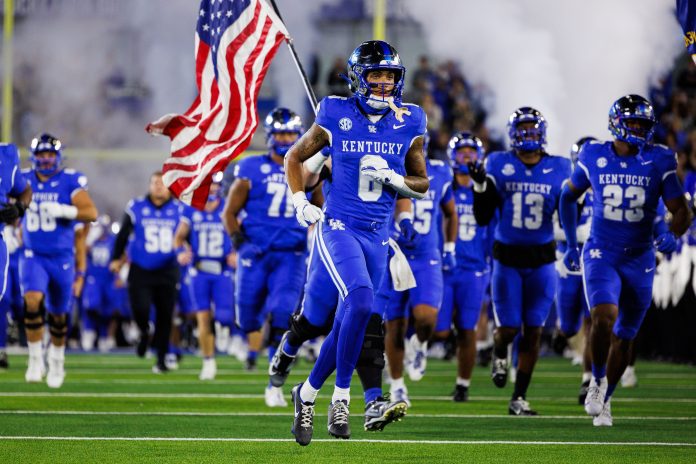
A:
(303, 75)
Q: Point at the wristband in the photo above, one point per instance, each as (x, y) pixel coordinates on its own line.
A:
(449, 247)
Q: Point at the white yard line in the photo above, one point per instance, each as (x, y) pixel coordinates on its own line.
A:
(328, 440)
(287, 414)
(259, 396)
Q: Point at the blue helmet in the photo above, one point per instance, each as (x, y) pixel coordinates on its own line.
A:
(45, 143)
(575, 149)
(370, 56)
(527, 139)
(461, 140)
(281, 120)
(632, 108)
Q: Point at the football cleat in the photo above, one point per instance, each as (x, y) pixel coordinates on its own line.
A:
(499, 371)
(209, 369)
(106, 344)
(583, 392)
(56, 371)
(338, 423)
(160, 368)
(4, 364)
(461, 394)
(280, 365)
(35, 369)
(303, 423)
(382, 411)
(171, 361)
(629, 378)
(222, 337)
(237, 347)
(416, 368)
(274, 397)
(595, 397)
(604, 418)
(250, 364)
(520, 407)
(87, 340)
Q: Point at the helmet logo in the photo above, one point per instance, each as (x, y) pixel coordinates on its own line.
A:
(345, 124)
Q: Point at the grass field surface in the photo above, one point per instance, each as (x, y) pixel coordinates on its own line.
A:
(112, 409)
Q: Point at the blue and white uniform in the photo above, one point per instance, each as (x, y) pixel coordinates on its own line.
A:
(466, 284)
(619, 257)
(100, 292)
(271, 261)
(48, 264)
(12, 185)
(528, 197)
(425, 259)
(210, 285)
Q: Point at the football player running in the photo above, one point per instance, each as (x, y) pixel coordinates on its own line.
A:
(211, 258)
(525, 184)
(377, 154)
(47, 269)
(271, 245)
(419, 227)
(466, 282)
(12, 185)
(628, 175)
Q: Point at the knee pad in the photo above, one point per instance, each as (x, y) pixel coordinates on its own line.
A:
(372, 352)
(302, 330)
(31, 315)
(57, 328)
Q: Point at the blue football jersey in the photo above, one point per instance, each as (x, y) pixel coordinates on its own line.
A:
(12, 181)
(268, 215)
(99, 256)
(690, 188)
(353, 137)
(626, 190)
(585, 217)
(152, 243)
(427, 213)
(472, 246)
(42, 233)
(528, 196)
(207, 236)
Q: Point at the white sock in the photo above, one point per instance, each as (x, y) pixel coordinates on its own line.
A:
(398, 383)
(586, 376)
(463, 382)
(341, 394)
(417, 344)
(56, 352)
(35, 350)
(629, 370)
(308, 393)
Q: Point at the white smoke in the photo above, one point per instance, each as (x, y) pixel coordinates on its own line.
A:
(570, 60)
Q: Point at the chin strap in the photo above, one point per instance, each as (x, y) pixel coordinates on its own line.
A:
(398, 112)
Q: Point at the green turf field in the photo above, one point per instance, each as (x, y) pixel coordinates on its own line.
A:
(112, 409)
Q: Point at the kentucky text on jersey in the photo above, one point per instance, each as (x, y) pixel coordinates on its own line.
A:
(375, 148)
(625, 179)
(528, 187)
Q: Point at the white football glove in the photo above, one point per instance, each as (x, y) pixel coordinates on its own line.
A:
(305, 212)
(58, 210)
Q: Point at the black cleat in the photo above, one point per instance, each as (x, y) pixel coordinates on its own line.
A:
(280, 365)
(381, 412)
(520, 407)
(4, 364)
(250, 364)
(141, 349)
(338, 420)
(160, 368)
(583, 392)
(461, 394)
(303, 423)
(499, 372)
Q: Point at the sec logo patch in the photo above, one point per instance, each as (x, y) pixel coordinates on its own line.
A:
(345, 124)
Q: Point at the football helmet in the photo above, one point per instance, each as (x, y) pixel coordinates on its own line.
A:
(575, 149)
(370, 56)
(281, 120)
(632, 108)
(461, 140)
(45, 143)
(531, 139)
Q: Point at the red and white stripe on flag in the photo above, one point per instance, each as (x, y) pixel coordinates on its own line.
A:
(235, 43)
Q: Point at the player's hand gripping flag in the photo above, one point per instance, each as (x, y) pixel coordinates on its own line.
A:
(686, 11)
(235, 43)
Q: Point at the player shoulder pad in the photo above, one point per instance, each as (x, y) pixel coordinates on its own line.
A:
(592, 150)
(664, 157)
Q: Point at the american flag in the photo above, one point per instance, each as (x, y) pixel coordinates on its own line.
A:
(235, 43)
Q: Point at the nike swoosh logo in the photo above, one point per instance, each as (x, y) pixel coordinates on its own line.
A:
(645, 163)
(649, 270)
(398, 127)
(546, 171)
(433, 262)
(385, 243)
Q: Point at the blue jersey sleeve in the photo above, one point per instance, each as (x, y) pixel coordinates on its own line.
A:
(130, 210)
(77, 182)
(185, 213)
(671, 185)
(580, 178)
(245, 169)
(323, 118)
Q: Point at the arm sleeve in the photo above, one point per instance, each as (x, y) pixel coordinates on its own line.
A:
(660, 225)
(485, 204)
(122, 237)
(19, 183)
